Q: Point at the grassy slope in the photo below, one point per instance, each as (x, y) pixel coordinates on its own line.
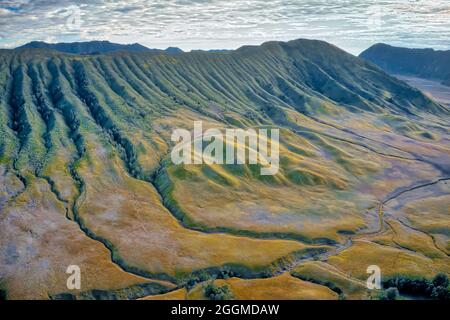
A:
(95, 131)
(282, 287)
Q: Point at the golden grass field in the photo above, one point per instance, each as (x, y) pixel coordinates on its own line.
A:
(282, 287)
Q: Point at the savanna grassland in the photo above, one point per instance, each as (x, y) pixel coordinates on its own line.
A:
(86, 176)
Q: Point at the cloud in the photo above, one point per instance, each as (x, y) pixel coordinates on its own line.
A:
(351, 24)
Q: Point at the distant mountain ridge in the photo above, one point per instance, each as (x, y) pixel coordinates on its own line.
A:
(424, 63)
(92, 47)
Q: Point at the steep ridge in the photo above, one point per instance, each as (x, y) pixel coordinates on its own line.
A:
(85, 47)
(94, 47)
(423, 63)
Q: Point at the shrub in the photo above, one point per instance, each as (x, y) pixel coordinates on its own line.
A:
(214, 292)
(440, 293)
(440, 280)
(2, 295)
(194, 279)
(437, 288)
(392, 294)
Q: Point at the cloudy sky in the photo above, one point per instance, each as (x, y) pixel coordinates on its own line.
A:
(212, 24)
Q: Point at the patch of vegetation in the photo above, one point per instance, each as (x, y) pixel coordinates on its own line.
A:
(214, 292)
(223, 272)
(329, 284)
(194, 279)
(128, 293)
(389, 294)
(438, 288)
(3, 295)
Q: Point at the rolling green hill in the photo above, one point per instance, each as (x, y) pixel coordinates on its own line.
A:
(86, 176)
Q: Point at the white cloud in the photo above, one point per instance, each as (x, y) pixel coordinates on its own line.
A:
(351, 24)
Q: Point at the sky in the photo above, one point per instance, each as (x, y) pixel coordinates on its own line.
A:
(353, 25)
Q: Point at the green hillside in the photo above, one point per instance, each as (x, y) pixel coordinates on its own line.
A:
(86, 176)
